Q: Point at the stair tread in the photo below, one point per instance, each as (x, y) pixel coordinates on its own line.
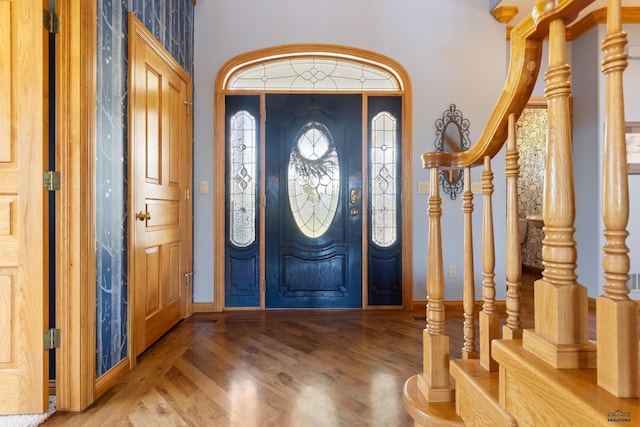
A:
(425, 413)
(574, 388)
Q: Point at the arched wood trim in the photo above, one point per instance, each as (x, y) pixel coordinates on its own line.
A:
(256, 57)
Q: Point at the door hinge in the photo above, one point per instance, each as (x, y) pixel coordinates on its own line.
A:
(187, 278)
(189, 107)
(52, 180)
(187, 194)
(52, 339)
(52, 22)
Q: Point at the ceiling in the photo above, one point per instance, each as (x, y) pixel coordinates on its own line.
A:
(525, 7)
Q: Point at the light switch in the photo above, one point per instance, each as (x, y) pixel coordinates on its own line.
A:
(423, 187)
(204, 187)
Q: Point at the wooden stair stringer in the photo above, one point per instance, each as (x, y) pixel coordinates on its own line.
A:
(536, 393)
(439, 414)
(477, 395)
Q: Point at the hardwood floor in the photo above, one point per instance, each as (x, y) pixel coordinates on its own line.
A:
(277, 368)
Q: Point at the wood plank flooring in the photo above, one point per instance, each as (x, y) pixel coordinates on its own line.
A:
(275, 368)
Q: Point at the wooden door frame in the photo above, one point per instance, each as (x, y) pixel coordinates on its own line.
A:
(219, 158)
(75, 204)
(76, 54)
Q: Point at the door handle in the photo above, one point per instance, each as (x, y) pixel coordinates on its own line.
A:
(354, 196)
(142, 216)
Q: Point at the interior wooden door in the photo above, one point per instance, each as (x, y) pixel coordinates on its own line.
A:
(23, 271)
(314, 201)
(160, 147)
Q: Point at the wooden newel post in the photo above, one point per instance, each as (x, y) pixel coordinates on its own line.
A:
(434, 381)
(561, 329)
(616, 318)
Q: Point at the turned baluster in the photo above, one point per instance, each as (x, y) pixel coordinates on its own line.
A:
(434, 381)
(616, 321)
(489, 319)
(469, 295)
(512, 329)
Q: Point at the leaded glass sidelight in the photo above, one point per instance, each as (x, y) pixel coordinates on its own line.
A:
(243, 183)
(314, 179)
(384, 152)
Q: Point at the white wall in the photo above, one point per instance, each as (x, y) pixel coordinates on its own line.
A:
(589, 121)
(453, 51)
(586, 156)
(632, 114)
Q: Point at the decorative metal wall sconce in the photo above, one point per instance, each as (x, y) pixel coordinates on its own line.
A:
(452, 135)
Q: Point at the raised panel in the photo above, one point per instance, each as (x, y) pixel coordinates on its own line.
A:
(6, 141)
(173, 282)
(153, 93)
(164, 214)
(9, 231)
(152, 302)
(176, 110)
(242, 277)
(7, 321)
(8, 210)
(302, 277)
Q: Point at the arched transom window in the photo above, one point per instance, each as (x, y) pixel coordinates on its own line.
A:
(312, 74)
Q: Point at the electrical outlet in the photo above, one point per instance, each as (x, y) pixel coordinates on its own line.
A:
(453, 271)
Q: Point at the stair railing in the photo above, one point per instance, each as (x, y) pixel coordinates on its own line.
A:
(560, 336)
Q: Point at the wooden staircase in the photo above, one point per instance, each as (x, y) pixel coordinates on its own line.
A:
(552, 374)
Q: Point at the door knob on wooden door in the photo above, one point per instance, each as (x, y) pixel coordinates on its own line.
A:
(142, 216)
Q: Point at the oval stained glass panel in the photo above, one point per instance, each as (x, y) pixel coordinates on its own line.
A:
(313, 180)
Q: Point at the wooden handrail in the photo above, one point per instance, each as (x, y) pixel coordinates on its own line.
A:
(526, 51)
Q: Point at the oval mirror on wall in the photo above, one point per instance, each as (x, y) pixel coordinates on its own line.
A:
(452, 136)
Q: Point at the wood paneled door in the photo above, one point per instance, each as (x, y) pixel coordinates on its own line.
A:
(314, 201)
(160, 173)
(24, 365)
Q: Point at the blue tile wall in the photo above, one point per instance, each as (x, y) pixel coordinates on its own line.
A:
(171, 22)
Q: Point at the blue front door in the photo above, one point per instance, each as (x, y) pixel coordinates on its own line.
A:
(313, 224)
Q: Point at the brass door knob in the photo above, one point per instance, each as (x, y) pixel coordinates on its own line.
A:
(142, 216)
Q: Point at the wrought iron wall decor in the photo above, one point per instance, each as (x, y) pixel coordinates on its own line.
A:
(452, 135)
